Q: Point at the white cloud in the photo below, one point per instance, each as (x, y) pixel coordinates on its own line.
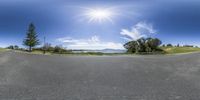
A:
(141, 29)
(93, 43)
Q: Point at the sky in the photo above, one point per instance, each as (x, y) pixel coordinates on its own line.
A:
(100, 24)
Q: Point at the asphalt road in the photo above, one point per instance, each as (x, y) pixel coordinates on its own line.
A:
(38, 77)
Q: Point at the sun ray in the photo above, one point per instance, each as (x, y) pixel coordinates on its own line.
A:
(99, 15)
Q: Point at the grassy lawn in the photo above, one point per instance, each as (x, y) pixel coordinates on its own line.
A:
(39, 52)
(2, 49)
(175, 50)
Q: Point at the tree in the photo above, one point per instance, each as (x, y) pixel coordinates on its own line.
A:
(16, 47)
(163, 45)
(59, 49)
(169, 45)
(153, 43)
(48, 47)
(31, 38)
(143, 45)
(11, 47)
(188, 46)
(131, 46)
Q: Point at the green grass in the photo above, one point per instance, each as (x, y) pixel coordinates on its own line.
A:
(167, 50)
(176, 50)
(39, 52)
(3, 49)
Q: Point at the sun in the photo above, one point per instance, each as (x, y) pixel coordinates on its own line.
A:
(99, 15)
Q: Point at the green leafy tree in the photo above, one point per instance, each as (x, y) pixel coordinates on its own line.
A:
(143, 45)
(131, 46)
(48, 47)
(31, 39)
(57, 49)
(153, 43)
(169, 45)
(163, 45)
(10, 47)
(16, 47)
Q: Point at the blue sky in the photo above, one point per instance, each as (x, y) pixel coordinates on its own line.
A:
(65, 22)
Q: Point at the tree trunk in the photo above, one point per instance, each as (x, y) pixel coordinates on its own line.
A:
(30, 48)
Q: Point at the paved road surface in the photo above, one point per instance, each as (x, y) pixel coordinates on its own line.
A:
(38, 77)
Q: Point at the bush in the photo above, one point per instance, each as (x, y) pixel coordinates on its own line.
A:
(50, 49)
(60, 50)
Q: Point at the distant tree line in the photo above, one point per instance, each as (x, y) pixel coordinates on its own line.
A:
(13, 47)
(178, 45)
(53, 49)
(143, 45)
(47, 47)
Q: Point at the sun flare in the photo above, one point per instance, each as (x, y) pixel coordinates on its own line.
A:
(99, 15)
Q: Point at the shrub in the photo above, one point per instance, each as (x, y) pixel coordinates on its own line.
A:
(60, 50)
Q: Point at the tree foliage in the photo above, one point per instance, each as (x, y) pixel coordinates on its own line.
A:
(10, 47)
(59, 49)
(13, 47)
(31, 39)
(48, 47)
(143, 45)
(169, 45)
(16, 47)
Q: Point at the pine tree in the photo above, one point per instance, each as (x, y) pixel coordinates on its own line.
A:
(31, 39)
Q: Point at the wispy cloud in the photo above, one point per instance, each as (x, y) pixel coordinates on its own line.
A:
(141, 29)
(93, 43)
